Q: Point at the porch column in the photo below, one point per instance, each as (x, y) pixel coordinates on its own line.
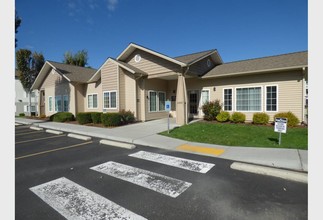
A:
(181, 101)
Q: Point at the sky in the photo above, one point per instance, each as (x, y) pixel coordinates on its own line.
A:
(104, 28)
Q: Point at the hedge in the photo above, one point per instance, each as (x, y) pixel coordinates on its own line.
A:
(238, 117)
(62, 117)
(111, 119)
(84, 118)
(260, 118)
(223, 116)
(96, 117)
(292, 120)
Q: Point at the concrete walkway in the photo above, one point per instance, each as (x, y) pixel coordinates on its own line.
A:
(146, 133)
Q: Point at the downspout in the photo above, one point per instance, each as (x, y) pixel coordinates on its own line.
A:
(185, 95)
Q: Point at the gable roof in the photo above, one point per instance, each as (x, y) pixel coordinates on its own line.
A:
(71, 73)
(132, 47)
(271, 63)
(96, 76)
(194, 57)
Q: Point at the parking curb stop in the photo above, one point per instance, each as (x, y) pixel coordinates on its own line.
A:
(81, 137)
(118, 144)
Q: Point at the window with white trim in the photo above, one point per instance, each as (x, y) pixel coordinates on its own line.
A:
(271, 98)
(156, 101)
(50, 103)
(161, 101)
(248, 99)
(65, 103)
(110, 100)
(92, 100)
(58, 103)
(205, 96)
(227, 100)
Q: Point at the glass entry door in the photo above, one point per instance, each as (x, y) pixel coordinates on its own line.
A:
(193, 98)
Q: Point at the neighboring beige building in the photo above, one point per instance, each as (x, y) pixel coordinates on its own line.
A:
(141, 80)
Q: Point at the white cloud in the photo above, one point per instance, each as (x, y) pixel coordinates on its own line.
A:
(112, 4)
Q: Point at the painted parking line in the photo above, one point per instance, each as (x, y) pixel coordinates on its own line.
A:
(74, 201)
(37, 139)
(200, 149)
(153, 181)
(31, 132)
(49, 151)
(192, 165)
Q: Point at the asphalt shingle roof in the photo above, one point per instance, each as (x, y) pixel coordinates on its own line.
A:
(189, 58)
(74, 73)
(260, 64)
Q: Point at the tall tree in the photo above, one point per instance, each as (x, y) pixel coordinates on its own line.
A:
(78, 59)
(17, 25)
(28, 65)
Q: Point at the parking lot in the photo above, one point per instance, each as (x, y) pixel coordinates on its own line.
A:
(60, 177)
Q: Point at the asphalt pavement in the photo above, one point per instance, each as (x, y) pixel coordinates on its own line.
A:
(146, 134)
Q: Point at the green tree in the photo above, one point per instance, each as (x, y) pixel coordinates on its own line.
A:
(17, 25)
(78, 59)
(28, 65)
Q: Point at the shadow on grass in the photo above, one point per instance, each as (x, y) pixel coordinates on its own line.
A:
(274, 140)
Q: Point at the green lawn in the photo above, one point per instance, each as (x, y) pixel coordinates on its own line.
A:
(247, 135)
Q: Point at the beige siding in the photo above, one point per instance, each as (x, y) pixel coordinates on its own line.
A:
(80, 97)
(94, 88)
(152, 64)
(289, 84)
(110, 81)
(128, 96)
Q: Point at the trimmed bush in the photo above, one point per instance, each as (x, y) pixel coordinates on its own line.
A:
(22, 115)
(96, 117)
(211, 110)
(260, 118)
(62, 117)
(83, 118)
(238, 117)
(111, 119)
(292, 120)
(223, 116)
(127, 117)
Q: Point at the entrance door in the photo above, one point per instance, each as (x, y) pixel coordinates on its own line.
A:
(193, 99)
(42, 103)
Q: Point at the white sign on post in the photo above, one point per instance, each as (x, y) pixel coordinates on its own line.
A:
(281, 125)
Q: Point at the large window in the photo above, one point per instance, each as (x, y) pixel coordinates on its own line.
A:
(162, 99)
(205, 96)
(271, 98)
(58, 103)
(92, 100)
(248, 99)
(156, 101)
(65, 103)
(110, 99)
(50, 103)
(227, 105)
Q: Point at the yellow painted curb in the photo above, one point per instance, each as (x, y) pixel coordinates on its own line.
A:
(200, 149)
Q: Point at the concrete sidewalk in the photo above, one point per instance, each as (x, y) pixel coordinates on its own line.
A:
(146, 133)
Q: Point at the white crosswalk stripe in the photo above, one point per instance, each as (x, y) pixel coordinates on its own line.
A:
(153, 181)
(76, 202)
(192, 165)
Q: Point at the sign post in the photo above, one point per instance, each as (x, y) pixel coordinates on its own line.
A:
(167, 109)
(280, 126)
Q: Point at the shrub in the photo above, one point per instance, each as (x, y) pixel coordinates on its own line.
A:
(127, 117)
(223, 116)
(84, 118)
(260, 118)
(111, 119)
(211, 109)
(292, 120)
(62, 117)
(238, 117)
(96, 117)
(22, 115)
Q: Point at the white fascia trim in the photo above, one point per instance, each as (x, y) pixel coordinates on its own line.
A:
(123, 66)
(151, 52)
(256, 71)
(39, 75)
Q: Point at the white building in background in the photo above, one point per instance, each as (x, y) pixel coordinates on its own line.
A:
(22, 99)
